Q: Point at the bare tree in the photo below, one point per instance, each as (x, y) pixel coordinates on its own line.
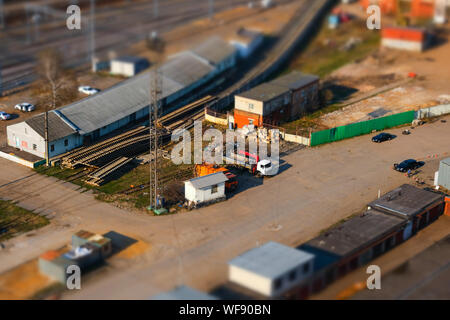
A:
(56, 83)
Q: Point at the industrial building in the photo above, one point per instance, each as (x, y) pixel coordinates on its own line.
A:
(282, 99)
(443, 179)
(206, 188)
(271, 269)
(389, 221)
(95, 116)
(246, 42)
(128, 66)
(419, 207)
(405, 38)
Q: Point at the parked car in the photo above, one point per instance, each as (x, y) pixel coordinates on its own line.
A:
(409, 164)
(88, 90)
(25, 107)
(384, 136)
(4, 116)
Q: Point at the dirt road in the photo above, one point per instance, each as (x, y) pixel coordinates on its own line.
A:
(317, 188)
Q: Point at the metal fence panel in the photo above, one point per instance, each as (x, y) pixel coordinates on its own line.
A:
(359, 128)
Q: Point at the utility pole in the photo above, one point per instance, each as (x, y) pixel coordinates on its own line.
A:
(155, 9)
(2, 16)
(211, 9)
(92, 32)
(155, 97)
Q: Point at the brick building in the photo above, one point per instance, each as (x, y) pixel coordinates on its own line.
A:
(282, 99)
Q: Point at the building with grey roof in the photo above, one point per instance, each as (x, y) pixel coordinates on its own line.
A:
(409, 202)
(271, 269)
(29, 135)
(95, 116)
(183, 293)
(218, 52)
(206, 188)
(358, 233)
(282, 99)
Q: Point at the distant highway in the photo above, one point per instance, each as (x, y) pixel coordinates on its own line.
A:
(116, 29)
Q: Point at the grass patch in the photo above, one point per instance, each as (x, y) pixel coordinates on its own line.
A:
(15, 220)
(325, 54)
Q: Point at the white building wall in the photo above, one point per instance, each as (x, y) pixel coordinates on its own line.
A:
(402, 44)
(266, 286)
(250, 280)
(202, 195)
(23, 137)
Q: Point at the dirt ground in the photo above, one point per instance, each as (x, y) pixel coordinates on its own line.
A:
(307, 196)
(387, 67)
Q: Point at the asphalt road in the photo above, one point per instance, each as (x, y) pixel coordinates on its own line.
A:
(317, 188)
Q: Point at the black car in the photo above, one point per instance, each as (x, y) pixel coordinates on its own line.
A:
(409, 164)
(383, 137)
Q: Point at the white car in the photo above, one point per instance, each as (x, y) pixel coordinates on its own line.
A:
(88, 90)
(4, 116)
(25, 107)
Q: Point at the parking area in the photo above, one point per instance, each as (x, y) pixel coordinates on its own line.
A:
(320, 187)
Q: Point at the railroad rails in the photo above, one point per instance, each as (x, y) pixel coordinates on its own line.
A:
(128, 143)
(101, 175)
(183, 116)
(292, 33)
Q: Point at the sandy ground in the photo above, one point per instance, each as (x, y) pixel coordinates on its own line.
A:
(316, 188)
(431, 87)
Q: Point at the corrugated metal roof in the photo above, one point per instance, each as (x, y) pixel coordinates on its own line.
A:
(115, 103)
(186, 68)
(357, 233)
(58, 128)
(406, 201)
(295, 80)
(264, 92)
(271, 259)
(208, 180)
(184, 293)
(215, 50)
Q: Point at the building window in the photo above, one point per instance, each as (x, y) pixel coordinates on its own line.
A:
(292, 275)
(26, 132)
(214, 189)
(278, 283)
(251, 106)
(34, 147)
(250, 121)
(52, 148)
(306, 268)
(66, 143)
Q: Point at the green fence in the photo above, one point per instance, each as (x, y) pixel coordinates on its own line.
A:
(359, 128)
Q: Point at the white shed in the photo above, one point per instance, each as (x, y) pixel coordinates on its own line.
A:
(271, 269)
(128, 66)
(206, 188)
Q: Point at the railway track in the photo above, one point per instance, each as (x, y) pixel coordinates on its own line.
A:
(292, 33)
(101, 175)
(92, 154)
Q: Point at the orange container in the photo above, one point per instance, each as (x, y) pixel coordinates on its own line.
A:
(50, 255)
(447, 206)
